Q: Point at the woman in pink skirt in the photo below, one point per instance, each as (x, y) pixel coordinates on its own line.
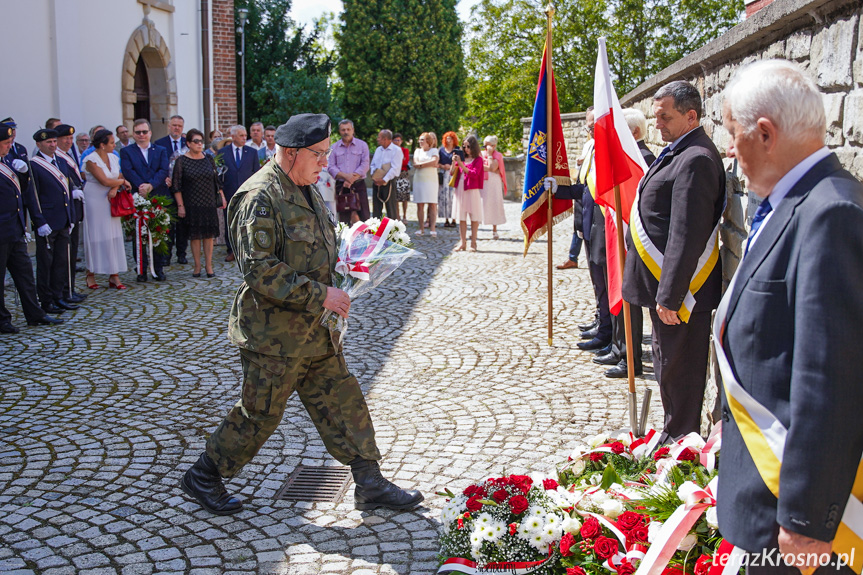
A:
(494, 188)
(467, 200)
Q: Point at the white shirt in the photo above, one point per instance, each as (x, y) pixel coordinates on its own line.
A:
(146, 153)
(256, 147)
(784, 185)
(391, 155)
(234, 149)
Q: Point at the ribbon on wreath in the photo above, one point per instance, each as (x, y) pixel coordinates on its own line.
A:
(356, 266)
(141, 218)
(468, 567)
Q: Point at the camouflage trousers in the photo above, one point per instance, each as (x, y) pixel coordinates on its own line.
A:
(330, 394)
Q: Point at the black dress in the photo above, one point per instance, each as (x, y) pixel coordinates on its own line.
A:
(198, 183)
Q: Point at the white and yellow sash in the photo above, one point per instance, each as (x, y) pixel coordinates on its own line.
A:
(9, 173)
(765, 435)
(653, 258)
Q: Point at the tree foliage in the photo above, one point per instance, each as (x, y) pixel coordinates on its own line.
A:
(282, 60)
(401, 66)
(644, 36)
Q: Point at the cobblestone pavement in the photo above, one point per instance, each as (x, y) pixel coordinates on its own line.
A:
(100, 417)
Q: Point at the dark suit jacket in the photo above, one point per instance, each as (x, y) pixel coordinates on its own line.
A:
(53, 200)
(792, 338)
(648, 156)
(681, 199)
(236, 175)
(12, 205)
(153, 171)
(167, 144)
(19, 152)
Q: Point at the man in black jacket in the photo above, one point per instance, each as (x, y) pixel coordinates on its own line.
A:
(673, 266)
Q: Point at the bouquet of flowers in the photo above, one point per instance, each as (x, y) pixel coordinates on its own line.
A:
(369, 252)
(149, 227)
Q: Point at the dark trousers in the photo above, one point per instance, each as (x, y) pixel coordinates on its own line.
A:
(13, 257)
(600, 290)
(363, 192)
(52, 260)
(159, 260)
(382, 195)
(179, 236)
(618, 344)
(74, 240)
(227, 230)
(680, 355)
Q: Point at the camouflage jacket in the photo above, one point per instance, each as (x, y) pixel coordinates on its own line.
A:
(286, 251)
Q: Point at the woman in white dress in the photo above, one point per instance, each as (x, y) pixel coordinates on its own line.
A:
(494, 188)
(103, 234)
(426, 187)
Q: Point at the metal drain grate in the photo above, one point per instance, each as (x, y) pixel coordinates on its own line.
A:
(315, 484)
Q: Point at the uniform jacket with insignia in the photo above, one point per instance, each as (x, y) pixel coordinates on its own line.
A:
(13, 201)
(286, 251)
(53, 198)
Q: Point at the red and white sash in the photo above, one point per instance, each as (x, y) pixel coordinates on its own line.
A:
(53, 170)
(71, 163)
(9, 173)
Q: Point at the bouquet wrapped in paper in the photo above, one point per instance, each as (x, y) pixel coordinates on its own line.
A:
(369, 252)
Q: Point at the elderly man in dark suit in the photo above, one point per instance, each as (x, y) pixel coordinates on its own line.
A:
(241, 162)
(789, 327)
(673, 266)
(146, 167)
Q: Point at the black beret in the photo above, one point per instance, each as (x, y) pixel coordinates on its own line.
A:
(5, 132)
(303, 130)
(9, 122)
(43, 135)
(64, 130)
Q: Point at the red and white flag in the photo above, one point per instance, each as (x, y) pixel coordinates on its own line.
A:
(618, 162)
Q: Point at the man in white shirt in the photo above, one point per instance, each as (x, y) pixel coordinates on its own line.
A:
(256, 141)
(385, 166)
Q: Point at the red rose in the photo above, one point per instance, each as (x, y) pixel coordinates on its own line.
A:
(549, 484)
(518, 504)
(637, 535)
(629, 520)
(591, 528)
(660, 453)
(566, 543)
(688, 454)
(575, 571)
(617, 448)
(521, 482)
(703, 565)
(625, 568)
(676, 570)
(474, 490)
(596, 456)
(473, 503)
(500, 495)
(605, 547)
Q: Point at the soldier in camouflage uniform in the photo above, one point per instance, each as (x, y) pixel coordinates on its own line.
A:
(285, 243)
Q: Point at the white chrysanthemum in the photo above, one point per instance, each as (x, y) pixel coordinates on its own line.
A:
(571, 525)
(553, 519)
(477, 554)
(538, 541)
(476, 538)
(597, 440)
(400, 226)
(712, 518)
(653, 530)
(550, 535)
(484, 519)
(624, 438)
(612, 508)
(535, 511)
(403, 238)
(533, 524)
(524, 531)
(453, 509)
(497, 529)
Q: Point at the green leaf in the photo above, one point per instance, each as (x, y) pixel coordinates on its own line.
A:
(609, 477)
(488, 502)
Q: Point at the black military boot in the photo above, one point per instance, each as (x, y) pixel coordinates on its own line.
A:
(374, 491)
(203, 482)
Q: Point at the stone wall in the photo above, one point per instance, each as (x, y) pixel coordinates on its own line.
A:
(825, 37)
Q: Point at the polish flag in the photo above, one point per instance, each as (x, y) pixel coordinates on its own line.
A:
(618, 162)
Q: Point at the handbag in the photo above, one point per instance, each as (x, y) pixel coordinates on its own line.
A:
(347, 201)
(122, 204)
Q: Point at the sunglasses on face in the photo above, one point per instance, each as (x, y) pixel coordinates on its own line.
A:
(196, 141)
(142, 132)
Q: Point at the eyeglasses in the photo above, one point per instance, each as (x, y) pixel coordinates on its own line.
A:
(196, 141)
(319, 155)
(142, 132)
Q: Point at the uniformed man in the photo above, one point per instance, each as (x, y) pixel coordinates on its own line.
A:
(65, 141)
(13, 247)
(50, 183)
(17, 155)
(286, 250)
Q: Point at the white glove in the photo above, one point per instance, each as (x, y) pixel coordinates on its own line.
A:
(77, 194)
(71, 227)
(44, 230)
(550, 184)
(581, 235)
(20, 166)
(27, 238)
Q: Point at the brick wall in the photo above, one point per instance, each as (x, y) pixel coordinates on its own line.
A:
(224, 63)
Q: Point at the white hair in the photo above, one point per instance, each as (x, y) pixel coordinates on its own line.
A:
(236, 129)
(490, 140)
(636, 121)
(779, 91)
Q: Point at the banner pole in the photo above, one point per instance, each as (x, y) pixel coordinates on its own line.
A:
(549, 11)
(627, 319)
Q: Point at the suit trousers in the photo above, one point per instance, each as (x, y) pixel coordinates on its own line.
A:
(330, 394)
(618, 345)
(600, 291)
(52, 258)
(159, 260)
(680, 356)
(13, 257)
(385, 194)
(179, 236)
(74, 240)
(362, 191)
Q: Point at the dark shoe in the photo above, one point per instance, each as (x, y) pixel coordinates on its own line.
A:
(63, 304)
(46, 320)
(203, 483)
(141, 279)
(74, 297)
(588, 326)
(567, 265)
(230, 258)
(619, 371)
(160, 276)
(607, 359)
(374, 491)
(592, 345)
(211, 275)
(603, 351)
(197, 275)
(590, 334)
(79, 269)
(182, 260)
(7, 327)
(52, 309)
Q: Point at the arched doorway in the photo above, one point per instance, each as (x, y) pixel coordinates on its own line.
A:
(149, 88)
